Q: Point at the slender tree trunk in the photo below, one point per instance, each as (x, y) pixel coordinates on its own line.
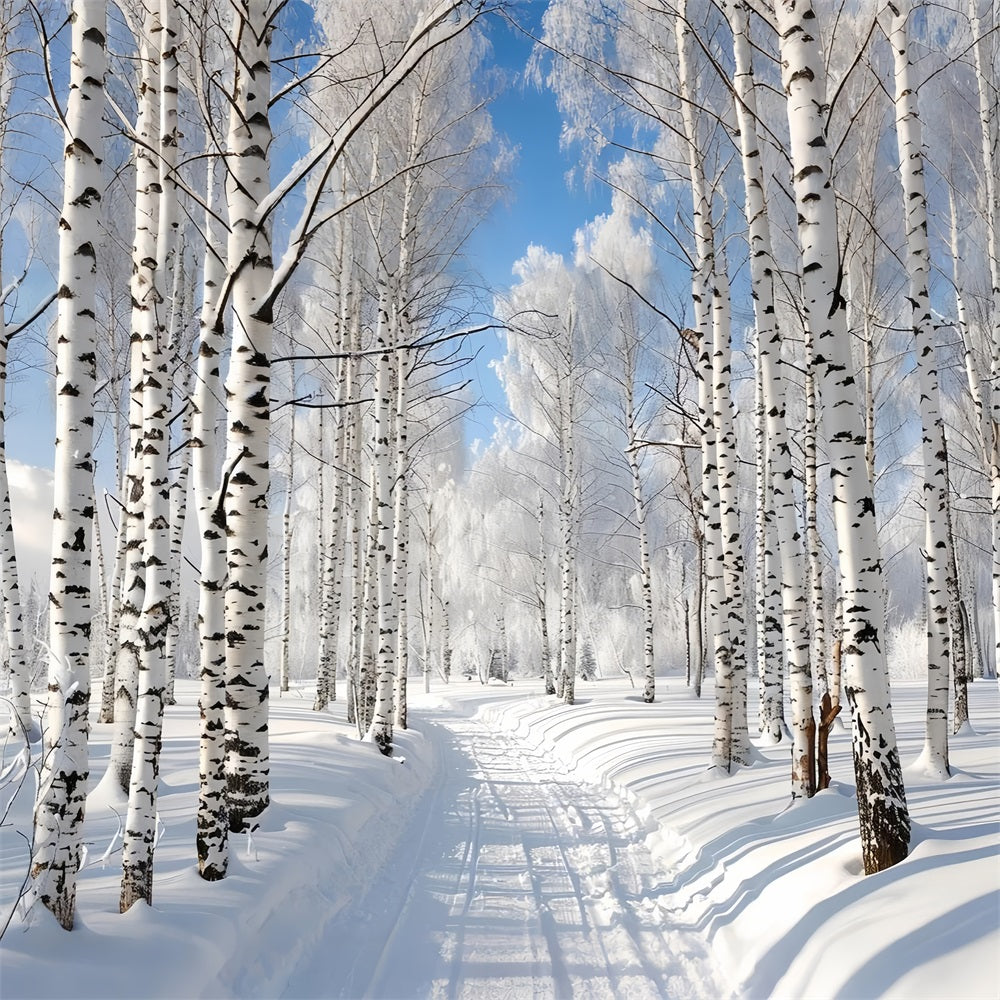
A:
(286, 561)
(986, 88)
(770, 655)
(114, 603)
(212, 842)
(883, 816)
(727, 458)
(959, 632)
(959, 644)
(180, 480)
(140, 824)
(779, 473)
(380, 728)
(401, 533)
(62, 787)
(427, 615)
(22, 726)
(567, 516)
(710, 366)
(248, 413)
(174, 316)
(934, 451)
(543, 613)
(144, 305)
(322, 576)
(645, 563)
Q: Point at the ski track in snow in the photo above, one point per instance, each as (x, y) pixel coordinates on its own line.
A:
(515, 881)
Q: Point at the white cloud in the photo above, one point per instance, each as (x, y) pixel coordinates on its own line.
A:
(31, 502)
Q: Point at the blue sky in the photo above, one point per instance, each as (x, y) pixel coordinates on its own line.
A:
(541, 208)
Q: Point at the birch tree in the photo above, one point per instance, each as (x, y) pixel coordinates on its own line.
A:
(909, 137)
(23, 728)
(61, 798)
(772, 378)
(159, 31)
(882, 812)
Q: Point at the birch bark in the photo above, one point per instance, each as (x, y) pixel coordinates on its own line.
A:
(144, 306)
(568, 505)
(401, 530)
(632, 446)
(542, 591)
(986, 90)
(323, 544)
(709, 369)
(22, 727)
(248, 412)
(212, 838)
(61, 797)
(933, 448)
(779, 472)
(286, 554)
(380, 729)
(140, 824)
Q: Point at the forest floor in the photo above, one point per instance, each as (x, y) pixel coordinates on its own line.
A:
(516, 847)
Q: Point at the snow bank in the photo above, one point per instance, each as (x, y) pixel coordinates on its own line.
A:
(337, 814)
(778, 890)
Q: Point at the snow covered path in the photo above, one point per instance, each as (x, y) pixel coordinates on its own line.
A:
(513, 882)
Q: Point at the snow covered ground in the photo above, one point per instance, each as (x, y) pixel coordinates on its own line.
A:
(519, 848)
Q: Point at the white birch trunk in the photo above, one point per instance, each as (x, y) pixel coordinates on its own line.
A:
(543, 602)
(779, 473)
(770, 656)
(140, 825)
(62, 788)
(727, 459)
(986, 89)
(179, 484)
(368, 631)
(401, 533)
(212, 818)
(703, 339)
(884, 820)
(567, 521)
(428, 612)
(380, 729)
(173, 270)
(22, 727)
(933, 448)
(144, 305)
(248, 414)
(180, 473)
(323, 543)
(286, 554)
(645, 563)
(114, 603)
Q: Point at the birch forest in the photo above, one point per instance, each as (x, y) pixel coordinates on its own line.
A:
(736, 450)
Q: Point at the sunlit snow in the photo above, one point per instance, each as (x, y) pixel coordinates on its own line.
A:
(523, 848)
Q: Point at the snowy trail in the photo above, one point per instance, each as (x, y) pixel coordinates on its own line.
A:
(514, 881)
